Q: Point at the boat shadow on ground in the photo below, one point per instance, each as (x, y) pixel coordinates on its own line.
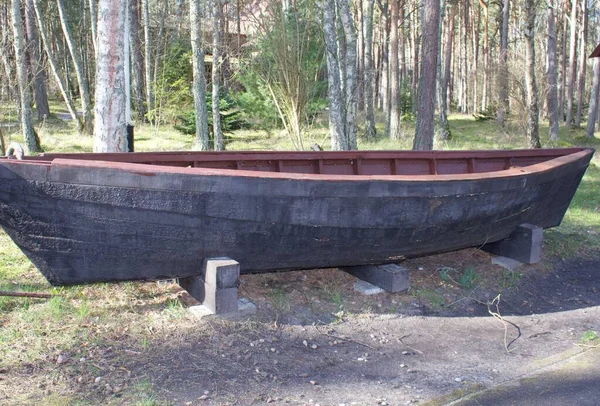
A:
(324, 297)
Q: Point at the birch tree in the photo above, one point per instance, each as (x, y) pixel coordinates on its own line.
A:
(503, 66)
(199, 85)
(6, 53)
(137, 61)
(148, 53)
(217, 131)
(551, 74)
(334, 93)
(445, 74)
(563, 63)
(572, 64)
(82, 81)
(94, 22)
(582, 63)
(368, 77)
(55, 68)
(594, 99)
(110, 129)
(394, 112)
(486, 55)
(531, 85)
(430, 16)
(35, 62)
(351, 82)
(31, 146)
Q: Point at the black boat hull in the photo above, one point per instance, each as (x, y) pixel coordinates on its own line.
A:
(83, 222)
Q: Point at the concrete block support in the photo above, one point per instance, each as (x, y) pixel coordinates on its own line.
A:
(391, 277)
(215, 287)
(523, 245)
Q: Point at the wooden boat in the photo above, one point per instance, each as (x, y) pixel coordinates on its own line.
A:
(84, 218)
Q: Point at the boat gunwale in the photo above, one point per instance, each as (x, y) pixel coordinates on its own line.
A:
(313, 155)
(568, 155)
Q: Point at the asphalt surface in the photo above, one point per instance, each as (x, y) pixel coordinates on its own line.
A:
(574, 381)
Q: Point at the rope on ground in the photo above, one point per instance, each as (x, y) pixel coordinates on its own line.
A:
(26, 294)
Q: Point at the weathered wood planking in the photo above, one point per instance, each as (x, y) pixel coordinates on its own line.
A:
(82, 221)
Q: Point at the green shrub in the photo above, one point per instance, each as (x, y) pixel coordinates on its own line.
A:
(230, 118)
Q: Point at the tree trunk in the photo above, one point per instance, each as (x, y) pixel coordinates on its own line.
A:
(334, 94)
(563, 66)
(486, 56)
(384, 84)
(444, 131)
(2, 144)
(430, 16)
(54, 68)
(360, 51)
(216, 73)
(582, 63)
(137, 61)
(594, 99)
(351, 89)
(86, 105)
(503, 66)
(401, 44)
(127, 61)
(532, 92)
(395, 119)
(110, 127)
(594, 105)
(476, 29)
(147, 56)
(416, 45)
(572, 64)
(6, 55)
(31, 146)
(35, 62)
(224, 49)
(551, 75)
(464, 104)
(368, 68)
(94, 21)
(439, 71)
(199, 85)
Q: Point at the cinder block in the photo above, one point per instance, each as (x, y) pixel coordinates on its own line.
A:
(391, 277)
(523, 245)
(216, 287)
(244, 308)
(506, 263)
(221, 300)
(194, 285)
(222, 273)
(366, 288)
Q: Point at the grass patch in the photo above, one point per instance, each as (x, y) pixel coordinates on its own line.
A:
(466, 279)
(174, 308)
(435, 299)
(589, 336)
(280, 299)
(509, 279)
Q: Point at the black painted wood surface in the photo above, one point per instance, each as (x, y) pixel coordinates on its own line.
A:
(82, 224)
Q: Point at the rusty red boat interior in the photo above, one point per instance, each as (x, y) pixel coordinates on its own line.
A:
(374, 163)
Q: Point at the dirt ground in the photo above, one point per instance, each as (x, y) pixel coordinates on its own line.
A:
(464, 325)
